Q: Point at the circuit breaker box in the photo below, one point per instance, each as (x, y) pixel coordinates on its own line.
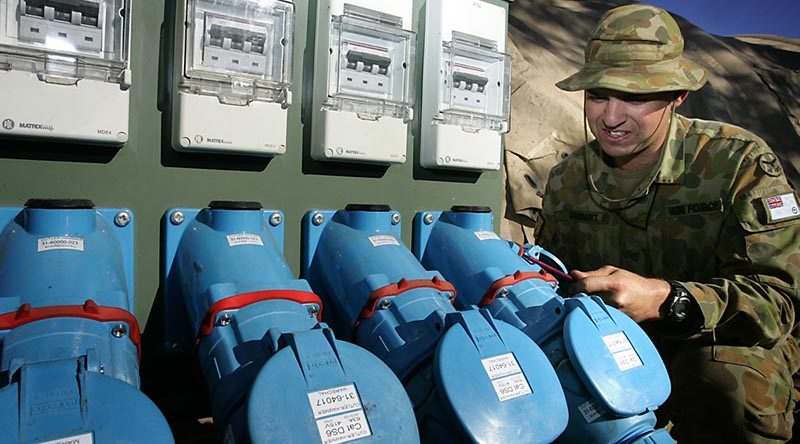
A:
(232, 70)
(64, 70)
(466, 97)
(363, 82)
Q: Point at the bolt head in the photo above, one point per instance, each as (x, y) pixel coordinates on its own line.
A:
(317, 219)
(395, 218)
(313, 310)
(177, 217)
(122, 219)
(225, 319)
(275, 219)
(503, 292)
(428, 218)
(386, 303)
(118, 331)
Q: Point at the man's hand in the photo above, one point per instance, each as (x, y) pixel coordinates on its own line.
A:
(636, 296)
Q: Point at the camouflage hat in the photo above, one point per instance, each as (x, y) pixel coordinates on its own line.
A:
(636, 49)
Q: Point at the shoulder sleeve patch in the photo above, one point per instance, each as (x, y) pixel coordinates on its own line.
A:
(767, 208)
(770, 165)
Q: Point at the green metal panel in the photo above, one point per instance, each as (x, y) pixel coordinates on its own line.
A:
(148, 177)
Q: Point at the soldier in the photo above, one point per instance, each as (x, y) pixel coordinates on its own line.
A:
(688, 226)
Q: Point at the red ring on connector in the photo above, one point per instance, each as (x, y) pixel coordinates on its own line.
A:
(518, 276)
(245, 299)
(400, 287)
(89, 310)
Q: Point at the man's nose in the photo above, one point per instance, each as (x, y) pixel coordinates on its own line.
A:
(614, 113)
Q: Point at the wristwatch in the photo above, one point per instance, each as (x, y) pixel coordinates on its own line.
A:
(678, 303)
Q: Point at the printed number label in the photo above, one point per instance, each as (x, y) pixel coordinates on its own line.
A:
(59, 243)
(335, 400)
(486, 235)
(383, 239)
(343, 428)
(506, 377)
(86, 438)
(244, 239)
(622, 351)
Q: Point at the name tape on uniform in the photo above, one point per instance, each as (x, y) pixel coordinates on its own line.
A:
(506, 377)
(59, 243)
(234, 240)
(622, 351)
(383, 239)
(86, 438)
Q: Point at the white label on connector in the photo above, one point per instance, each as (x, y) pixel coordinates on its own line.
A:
(334, 400)
(591, 410)
(502, 365)
(244, 239)
(486, 235)
(506, 376)
(622, 351)
(343, 428)
(86, 438)
(382, 239)
(511, 387)
(60, 243)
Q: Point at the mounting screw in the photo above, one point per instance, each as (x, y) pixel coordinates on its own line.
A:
(102, 370)
(313, 310)
(395, 218)
(503, 292)
(428, 218)
(275, 219)
(317, 219)
(118, 331)
(225, 319)
(177, 217)
(386, 303)
(122, 219)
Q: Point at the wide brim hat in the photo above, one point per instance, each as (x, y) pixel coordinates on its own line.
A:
(636, 49)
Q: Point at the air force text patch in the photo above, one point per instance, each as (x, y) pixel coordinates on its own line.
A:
(781, 207)
(712, 206)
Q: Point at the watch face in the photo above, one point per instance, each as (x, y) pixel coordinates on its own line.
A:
(680, 307)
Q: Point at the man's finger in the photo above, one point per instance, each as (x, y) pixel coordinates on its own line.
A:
(594, 284)
(602, 271)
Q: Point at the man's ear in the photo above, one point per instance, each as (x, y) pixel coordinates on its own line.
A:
(680, 98)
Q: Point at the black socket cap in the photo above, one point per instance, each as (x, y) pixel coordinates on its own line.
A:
(367, 207)
(234, 205)
(470, 209)
(60, 204)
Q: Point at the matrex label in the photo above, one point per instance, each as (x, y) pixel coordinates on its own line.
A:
(382, 239)
(506, 377)
(486, 235)
(60, 243)
(591, 410)
(782, 206)
(622, 351)
(334, 400)
(86, 438)
(244, 239)
(343, 428)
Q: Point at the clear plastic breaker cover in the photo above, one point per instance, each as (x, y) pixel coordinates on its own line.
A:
(371, 64)
(239, 50)
(476, 84)
(66, 40)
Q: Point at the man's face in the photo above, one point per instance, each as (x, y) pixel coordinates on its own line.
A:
(630, 128)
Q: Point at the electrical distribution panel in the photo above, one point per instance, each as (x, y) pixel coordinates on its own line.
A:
(231, 75)
(363, 85)
(64, 70)
(465, 103)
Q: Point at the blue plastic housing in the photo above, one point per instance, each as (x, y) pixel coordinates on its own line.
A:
(66, 376)
(612, 375)
(274, 373)
(470, 377)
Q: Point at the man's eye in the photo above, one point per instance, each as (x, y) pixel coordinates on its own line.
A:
(598, 99)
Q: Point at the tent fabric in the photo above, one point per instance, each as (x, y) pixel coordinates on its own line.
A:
(754, 82)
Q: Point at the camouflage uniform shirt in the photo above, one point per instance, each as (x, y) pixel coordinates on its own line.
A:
(717, 215)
